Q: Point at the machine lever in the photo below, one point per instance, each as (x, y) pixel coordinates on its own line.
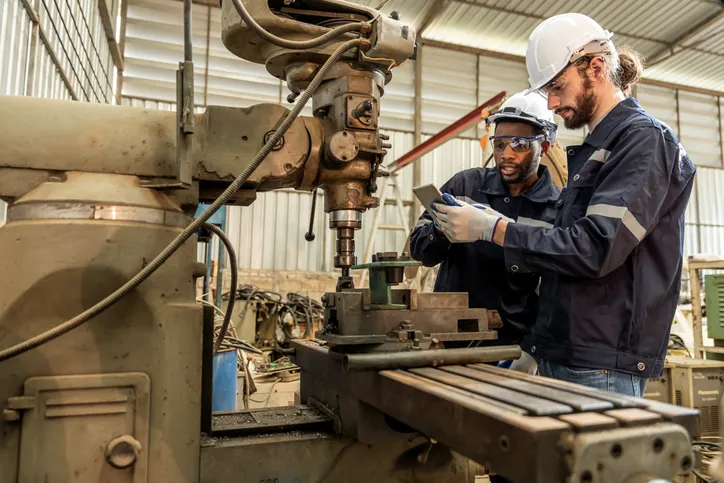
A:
(309, 236)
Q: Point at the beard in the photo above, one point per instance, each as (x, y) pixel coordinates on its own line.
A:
(582, 113)
(523, 171)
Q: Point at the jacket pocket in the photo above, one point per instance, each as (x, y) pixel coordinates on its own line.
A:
(579, 197)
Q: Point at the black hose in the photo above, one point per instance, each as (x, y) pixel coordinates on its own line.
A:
(190, 230)
(234, 281)
(292, 44)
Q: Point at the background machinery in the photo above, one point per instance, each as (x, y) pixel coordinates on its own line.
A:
(116, 388)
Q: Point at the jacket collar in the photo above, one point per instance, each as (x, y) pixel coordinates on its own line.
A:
(541, 192)
(622, 111)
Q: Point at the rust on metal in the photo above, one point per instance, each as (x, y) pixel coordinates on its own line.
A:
(534, 405)
(576, 401)
(633, 416)
(589, 421)
(618, 400)
(426, 358)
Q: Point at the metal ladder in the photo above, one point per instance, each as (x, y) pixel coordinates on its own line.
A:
(393, 182)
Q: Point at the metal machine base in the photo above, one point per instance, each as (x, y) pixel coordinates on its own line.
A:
(498, 417)
(304, 449)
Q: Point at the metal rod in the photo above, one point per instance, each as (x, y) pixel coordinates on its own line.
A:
(721, 133)
(206, 286)
(446, 134)
(208, 52)
(32, 59)
(188, 49)
(416, 209)
(309, 236)
(425, 358)
(122, 50)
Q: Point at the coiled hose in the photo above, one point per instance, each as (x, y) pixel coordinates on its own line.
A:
(293, 44)
(234, 281)
(190, 230)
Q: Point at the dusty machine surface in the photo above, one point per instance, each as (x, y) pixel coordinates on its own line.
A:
(106, 384)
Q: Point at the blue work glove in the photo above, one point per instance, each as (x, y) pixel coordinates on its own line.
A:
(465, 222)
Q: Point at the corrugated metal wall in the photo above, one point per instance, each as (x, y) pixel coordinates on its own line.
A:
(270, 233)
(54, 49)
(154, 47)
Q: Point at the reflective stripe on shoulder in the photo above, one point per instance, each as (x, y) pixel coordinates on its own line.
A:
(600, 155)
(621, 213)
(682, 152)
(531, 222)
(422, 222)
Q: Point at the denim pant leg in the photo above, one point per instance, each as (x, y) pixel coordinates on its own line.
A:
(603, 379)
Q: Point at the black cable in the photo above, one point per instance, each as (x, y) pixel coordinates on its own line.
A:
(234, 281)
(703, 478)
(193, 227)
(292, 44)
(676, 342)
(298, 307)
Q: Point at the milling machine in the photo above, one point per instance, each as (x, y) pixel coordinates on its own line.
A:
(115, 388)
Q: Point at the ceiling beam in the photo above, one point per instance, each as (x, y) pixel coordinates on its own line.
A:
(521, 59)
(678, 45)
(433, 12)
(473, 50)
(540, 17)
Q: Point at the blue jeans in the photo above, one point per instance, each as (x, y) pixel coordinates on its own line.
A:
(603, 379)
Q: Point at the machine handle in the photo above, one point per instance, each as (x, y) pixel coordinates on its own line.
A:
(309, 236)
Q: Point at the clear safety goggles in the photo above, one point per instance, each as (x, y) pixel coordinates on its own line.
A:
(519, 144)
(584, 54)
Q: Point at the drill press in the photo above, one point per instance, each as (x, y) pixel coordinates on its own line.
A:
(97, 192)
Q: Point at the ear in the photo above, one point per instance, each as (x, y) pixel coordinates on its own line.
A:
(598, 67)
(544, 147)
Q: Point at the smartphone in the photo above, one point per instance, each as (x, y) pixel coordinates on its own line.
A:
(428, 194)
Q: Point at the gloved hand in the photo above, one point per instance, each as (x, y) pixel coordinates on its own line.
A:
(465, 222)
(526, 364)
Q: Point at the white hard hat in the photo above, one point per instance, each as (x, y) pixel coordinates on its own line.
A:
(529, 108)
(559, 40)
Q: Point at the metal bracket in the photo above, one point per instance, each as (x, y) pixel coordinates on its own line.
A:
(327, 411)
(21, 402)
(185, 126)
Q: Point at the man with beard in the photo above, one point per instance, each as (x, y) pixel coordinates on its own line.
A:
(521, 189)
(612, 262)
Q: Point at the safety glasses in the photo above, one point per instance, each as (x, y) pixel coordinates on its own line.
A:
(554, 87)
(518, 144)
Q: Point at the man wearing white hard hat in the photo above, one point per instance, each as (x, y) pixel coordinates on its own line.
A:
(521, 189)
(612, 263)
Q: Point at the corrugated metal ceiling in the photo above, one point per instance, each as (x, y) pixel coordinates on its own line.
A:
(651, 27)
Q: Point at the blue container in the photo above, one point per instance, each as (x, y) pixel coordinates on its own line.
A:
(223, 391)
